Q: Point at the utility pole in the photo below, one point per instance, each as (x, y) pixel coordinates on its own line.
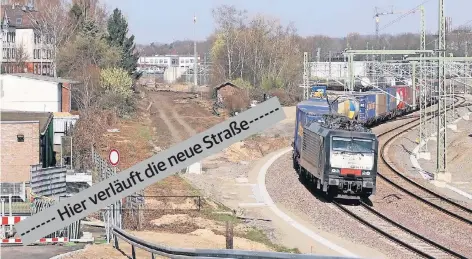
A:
(195, 82)
(423, 132)
(306, 71)
(442, 118)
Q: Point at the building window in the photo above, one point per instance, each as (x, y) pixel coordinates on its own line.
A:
(20, 138)
(18, 21)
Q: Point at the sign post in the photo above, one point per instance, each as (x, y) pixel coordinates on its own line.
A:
(113, 158)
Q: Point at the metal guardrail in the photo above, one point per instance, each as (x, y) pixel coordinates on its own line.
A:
(202, 253)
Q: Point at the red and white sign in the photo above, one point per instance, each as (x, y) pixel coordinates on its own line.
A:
(114, 157)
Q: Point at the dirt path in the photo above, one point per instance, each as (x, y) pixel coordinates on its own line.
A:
(178, 127)
(162, 114)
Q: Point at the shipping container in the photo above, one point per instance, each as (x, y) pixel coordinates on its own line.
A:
(401, 94)
(367, 107)
(347, 107)
(307, 112)
(318, 91)
(391, 99)
(381, 105)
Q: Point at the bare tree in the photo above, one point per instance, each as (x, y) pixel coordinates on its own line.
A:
(21, 57)
(52, 24)
(229, 20)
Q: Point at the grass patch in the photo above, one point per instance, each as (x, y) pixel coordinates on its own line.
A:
(257, 235)
(145, 133)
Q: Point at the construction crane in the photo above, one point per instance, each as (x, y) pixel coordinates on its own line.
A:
(377, 19)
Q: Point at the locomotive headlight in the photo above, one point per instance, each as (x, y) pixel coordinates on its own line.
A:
(334, 170)
(365, 173)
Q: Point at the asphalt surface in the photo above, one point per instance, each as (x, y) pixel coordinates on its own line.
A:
(36, 252)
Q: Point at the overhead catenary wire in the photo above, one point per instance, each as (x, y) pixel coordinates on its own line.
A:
(413, 10)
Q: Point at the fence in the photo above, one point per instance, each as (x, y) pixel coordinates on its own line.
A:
(17, 190)
(152, 207)
(72, 231)
(48, 181)
(112, 215)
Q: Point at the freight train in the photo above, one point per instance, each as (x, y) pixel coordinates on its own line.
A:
(340, 161)
(333, 146)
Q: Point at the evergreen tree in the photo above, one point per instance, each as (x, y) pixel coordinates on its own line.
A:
(117, 31)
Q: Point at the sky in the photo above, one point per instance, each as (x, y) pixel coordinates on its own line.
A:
(166, 21)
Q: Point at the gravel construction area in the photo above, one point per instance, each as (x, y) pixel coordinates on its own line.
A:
(414, 214)
(300, 201)
(458, 156)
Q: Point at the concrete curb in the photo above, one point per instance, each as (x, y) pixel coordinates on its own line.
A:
(270, 203)
(69, 253)
(415, 154)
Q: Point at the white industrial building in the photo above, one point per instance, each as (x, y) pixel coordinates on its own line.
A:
(158, 64)
(161, 61)
(35, 93)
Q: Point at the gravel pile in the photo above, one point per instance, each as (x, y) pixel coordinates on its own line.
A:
(298, 200)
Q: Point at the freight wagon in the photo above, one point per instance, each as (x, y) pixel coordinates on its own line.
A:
(341, 162)
(379, 106)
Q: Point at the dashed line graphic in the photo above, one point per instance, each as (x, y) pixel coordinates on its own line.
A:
(151, 170)
(262, 116)
(37, 226)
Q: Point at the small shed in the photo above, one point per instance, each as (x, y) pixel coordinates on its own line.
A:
(225, 90)
(231, 96)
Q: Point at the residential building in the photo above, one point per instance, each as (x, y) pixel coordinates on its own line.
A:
(25, 49)
(30, 92)
(26, 140)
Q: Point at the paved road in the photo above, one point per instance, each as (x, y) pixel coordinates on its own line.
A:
(36, 252)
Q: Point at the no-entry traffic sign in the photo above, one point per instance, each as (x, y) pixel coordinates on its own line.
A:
(114, 157)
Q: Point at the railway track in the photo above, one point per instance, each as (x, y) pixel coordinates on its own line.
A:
(397, 179)
(399, 234)
(396, 232)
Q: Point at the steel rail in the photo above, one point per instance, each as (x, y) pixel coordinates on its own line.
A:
(408, 126)
(393, 238)
(414, 183)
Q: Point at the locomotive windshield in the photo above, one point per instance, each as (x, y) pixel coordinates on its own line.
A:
(355, 145)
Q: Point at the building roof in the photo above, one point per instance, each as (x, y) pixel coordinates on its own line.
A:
(64, 115)
(43, 78)
(44, 118)
(15, 11)
(226, 84)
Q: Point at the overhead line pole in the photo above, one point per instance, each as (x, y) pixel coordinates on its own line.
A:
(423, 133)
(195, 61)
(441, 164)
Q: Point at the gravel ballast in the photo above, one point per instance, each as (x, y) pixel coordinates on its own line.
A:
(285, 188)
